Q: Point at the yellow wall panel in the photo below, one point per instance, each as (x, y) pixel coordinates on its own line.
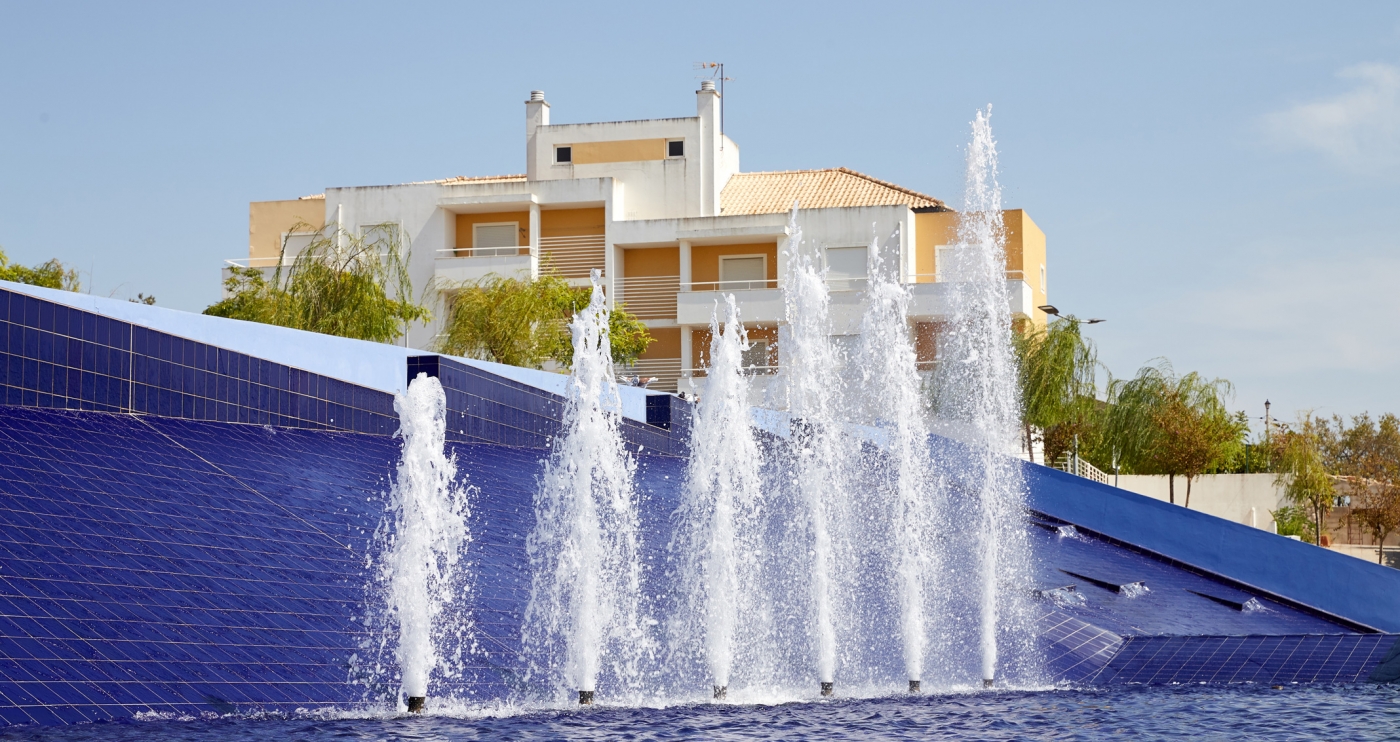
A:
(268, 220)
(572, 222)
(667, 345)
(651, 261)
(625, 150)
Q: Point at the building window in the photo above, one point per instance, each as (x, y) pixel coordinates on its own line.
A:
(500, 238)
(675, 148)
(756, 360)
(846, 267)
(954, 263)
(739, 272)
(564, 155)
(1042, 279)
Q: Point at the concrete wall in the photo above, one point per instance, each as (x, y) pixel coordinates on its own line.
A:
(1240, 498)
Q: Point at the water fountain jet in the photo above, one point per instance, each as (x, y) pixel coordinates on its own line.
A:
(585, 608)
(429, 511)
(890, 380)
(718, 535)
(813, 385)
(977, 392)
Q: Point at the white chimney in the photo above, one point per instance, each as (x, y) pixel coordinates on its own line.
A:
(536, 115)
(707, 105)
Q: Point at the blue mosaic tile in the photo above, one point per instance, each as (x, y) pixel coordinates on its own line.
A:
(57, 356)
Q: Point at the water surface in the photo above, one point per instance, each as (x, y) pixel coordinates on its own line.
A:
(1352, 712)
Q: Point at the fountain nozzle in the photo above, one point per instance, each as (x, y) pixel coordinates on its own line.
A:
(913, 686)
(721, 691)
(828, 689)
(415, 704)
(585, 698)
(986, 682)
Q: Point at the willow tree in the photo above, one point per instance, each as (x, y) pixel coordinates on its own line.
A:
(52, 274)
(1161, 423)
(341, 283)
(1302, 471)
(524, 322)
(1057, 368)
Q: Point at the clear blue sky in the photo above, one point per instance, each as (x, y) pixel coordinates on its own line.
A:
(1219, 180)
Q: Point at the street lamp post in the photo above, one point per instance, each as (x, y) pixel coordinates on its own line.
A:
(1053, 312)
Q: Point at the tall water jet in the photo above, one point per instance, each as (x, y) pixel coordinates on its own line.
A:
(422, 566)
(718, 542)
(890, 379)
(977, 388)
(585, 601)
(813, 387)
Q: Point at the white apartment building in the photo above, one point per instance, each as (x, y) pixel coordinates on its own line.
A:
(661, 208)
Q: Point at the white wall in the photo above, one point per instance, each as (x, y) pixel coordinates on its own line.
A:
(1228, 496)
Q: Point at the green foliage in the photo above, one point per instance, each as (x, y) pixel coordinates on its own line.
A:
(1161, 423)
(354, 286)
(52, 274)
(1292, 520)
(1057, 368)
(1367, 455)
(524, 322)
(1302, 471)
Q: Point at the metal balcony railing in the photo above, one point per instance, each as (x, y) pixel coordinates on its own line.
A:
(482, 252)
(938, 277)
(649, 297)
(697, 373)
(768, 283)
(1081, 468)
(261, 262)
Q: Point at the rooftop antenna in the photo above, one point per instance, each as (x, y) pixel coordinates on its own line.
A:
(717, 74)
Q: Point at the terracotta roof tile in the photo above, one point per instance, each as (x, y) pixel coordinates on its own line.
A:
(775, 192)
(467, 179)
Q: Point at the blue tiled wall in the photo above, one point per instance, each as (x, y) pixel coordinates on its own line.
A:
(1075, 650)
(181, 566)
(486, 408)
(56, 356)
(1269, 660)
(139, 575)
(1332, 583)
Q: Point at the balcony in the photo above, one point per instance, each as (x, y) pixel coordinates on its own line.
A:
(461, 265)
(759, 301)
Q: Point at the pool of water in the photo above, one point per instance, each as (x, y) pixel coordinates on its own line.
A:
(1353, 712)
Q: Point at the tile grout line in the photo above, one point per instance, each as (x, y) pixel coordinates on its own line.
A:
(245, 485)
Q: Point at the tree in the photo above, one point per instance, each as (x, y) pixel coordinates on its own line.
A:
(1057, 368)
(52, 274)
(1193, 434)
(1161, 423)
(1302, 473)
(344, 284)
(523, 322)
(1368, 455)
